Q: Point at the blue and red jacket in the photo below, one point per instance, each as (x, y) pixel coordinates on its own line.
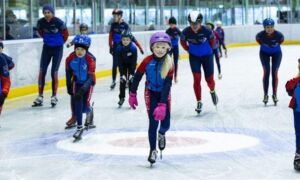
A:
(80, 70)
(221, 33)
(270, 44)
(174, 34)
(198, 44)
(127, 54)
(53, 32)
(154, 81)
(4, 76)
(290, 88)
(115, 31)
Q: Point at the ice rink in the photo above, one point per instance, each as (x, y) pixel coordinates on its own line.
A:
(241, 139)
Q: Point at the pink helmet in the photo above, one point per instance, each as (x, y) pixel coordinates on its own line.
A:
(160, 37)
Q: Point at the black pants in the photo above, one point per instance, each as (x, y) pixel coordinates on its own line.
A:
(127, 70)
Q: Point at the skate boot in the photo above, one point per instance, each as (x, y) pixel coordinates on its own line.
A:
(199, 107)
(152, 157)
(161, 143)
(121, 101)
(77, 135)
(297, 162)
(265, 100)
(214, 97)
(89, 121)
(220, 76)
(225, 53)
(71, 123)
(38, 101)
(54, 101)
(113, 85)
(275, 100)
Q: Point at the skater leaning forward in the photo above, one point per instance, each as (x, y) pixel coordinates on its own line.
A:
(158, 68)
(80, 79)
(127, 57)
(293, 89)
(199, 41)
(270, 40)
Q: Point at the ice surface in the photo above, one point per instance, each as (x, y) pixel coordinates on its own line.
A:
(30, 138)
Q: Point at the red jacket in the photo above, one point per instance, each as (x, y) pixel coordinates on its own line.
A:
(290, 86)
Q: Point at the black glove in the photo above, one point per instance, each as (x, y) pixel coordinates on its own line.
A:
(111, 51)
(141, 50)
(79, 94)
(2, 98)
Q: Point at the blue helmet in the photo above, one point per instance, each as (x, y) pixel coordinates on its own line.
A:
(82, 41)
(268, 22)
(126, 33)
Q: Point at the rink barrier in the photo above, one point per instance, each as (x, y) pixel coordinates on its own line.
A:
(26, 54)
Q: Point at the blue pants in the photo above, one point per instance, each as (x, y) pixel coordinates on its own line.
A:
(175, 52)
(115, 63)
(152, 99)
(297, 129)
(82, 105)
(217, 57)
(208, 67)
(48, 53)
(265, 61)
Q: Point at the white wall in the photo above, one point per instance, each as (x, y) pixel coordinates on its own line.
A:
(26, 53)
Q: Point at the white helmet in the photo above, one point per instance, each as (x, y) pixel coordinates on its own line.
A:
(219, 23)
(195, 17)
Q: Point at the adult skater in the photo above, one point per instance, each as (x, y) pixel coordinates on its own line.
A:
(216, 52)
(80, 79)
(293, 89)
(126, 53)
(6, 64)
(270, 50)
(158, 68)
(54, 34)
(118, 26)
(198, 41)
(221, 33)
(175, 34)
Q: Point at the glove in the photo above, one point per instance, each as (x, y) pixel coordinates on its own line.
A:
(111, 51)
(160, 112)
(2, 98)
(141, 50)
(79, 94)
(133, 100)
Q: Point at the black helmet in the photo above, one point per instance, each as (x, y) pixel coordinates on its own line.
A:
(172, 20)
(211, 24)
(83, 26)
(117, 12)
(195, 17)
(126, 33)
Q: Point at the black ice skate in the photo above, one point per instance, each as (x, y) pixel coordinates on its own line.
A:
(266, 99)
(152, 157)
(275, 100)
(77, 135)
(225, 53)
(38, 101)
(214, 97)
(113, 85)
(199, 107)
(89, 121)
(297, 162)
(54, 101)
(71, 123)
(121, 101)
(161, 143)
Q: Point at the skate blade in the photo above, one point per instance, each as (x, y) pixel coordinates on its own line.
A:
(53, 105)
(36, 105)
(76, 139)
(198, 111)
(70, 127)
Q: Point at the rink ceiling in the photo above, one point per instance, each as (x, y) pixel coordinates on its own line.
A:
(29, 137)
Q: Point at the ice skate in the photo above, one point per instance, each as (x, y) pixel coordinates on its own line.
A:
(161, 143)
(113, 85)
(275, 100)
(297, 162)
(89, 121)
(220, 76)
(71, 123)
(121, 101)
(77, 135)
(38, 101)
(54, 101)
(214, 97)
(265, 100)
(199, 107)
(152, 157)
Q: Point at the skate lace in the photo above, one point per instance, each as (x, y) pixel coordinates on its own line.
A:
(161, 140)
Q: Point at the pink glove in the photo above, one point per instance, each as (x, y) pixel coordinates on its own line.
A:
(133, 100)
(160, 112)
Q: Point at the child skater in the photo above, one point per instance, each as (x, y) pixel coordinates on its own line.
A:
(158, 68)
(80, 79)
(293, 89)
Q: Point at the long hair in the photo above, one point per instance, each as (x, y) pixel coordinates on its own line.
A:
(167, 66)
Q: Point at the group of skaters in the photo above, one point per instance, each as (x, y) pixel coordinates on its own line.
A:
(202, 42)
